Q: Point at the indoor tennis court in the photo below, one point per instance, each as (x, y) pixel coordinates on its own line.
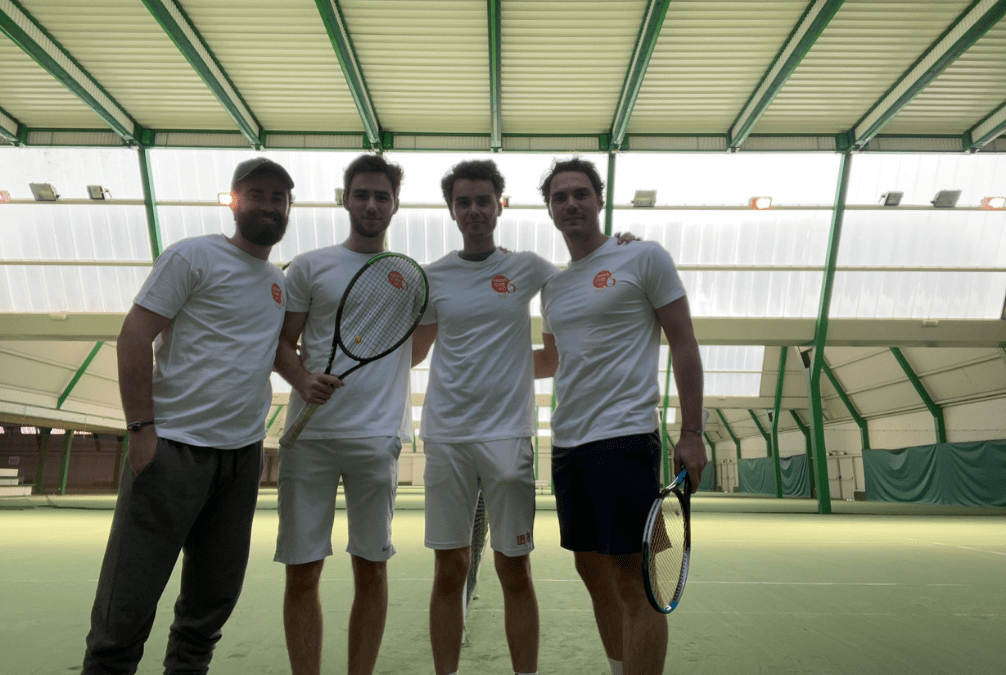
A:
(773, 587)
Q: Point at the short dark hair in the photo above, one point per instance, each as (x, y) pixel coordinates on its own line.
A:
(472, 169)
(575, 164)
(373, 164)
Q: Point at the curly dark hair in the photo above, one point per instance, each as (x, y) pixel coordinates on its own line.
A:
(575, 164)
(472, 169)
(370, 163)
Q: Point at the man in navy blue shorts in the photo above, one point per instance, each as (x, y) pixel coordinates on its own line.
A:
(601, 323)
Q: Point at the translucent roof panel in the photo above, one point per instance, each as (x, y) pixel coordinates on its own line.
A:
(728, 370)
(728, 179)
(35, 288)
(918, 295)
(921, 176)
(70, 171)
(99, 231)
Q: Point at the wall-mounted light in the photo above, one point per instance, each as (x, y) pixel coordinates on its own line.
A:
(644, 198)
(891, 198)
(43, 192)
(339, 192)
(225, 198)
(946, 199)
(994, 203)
(97, 192)
(4, 197)
(760, 203)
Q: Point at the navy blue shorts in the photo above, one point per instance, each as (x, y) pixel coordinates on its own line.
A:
(604, 490)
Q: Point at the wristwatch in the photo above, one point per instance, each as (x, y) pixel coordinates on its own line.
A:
(135, 426)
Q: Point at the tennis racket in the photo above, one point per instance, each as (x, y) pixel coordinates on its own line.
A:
(379, 310)
(667, 545)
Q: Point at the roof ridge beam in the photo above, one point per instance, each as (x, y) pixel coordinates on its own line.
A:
(28, 34)
(808, 29)
(966, 30)
(987, 129)
(179, 27)
(338, 34)
(495, 74)
(649, 31)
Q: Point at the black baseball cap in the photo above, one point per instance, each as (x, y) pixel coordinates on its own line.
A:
(259, 165)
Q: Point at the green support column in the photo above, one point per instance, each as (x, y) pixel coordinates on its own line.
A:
(494, 8)
(864, 431)
(762, 431)
(609, 189)
(810, 452)
(776, 409)
(149, 203)
(272, 420)
(730, 431)
(934, 409)
(64, 464)
(42, 440)
(120, 457)
(821, 337)
(712, 447)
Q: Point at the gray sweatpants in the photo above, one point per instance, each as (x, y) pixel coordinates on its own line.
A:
(192, 499)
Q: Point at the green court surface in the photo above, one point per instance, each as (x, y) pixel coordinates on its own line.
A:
(774, 588)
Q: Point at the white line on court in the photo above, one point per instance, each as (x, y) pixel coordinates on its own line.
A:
(966, 548)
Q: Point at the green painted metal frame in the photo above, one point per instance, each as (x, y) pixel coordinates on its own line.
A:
(232, 101)
(649, 31)
(609, 196)
(338, 34)
(150, 203)
(730, 430)
(64, 462)
(112, 114)
(980, 26)
(712, 448)
(42, 440)
(821, 337)
(10, 127)
(272, 420)
(989, 135)
(761, 429)
(494, 11)
(776, 409)
(805, 430)
(864, 429)
(80, 373)
(819, 13)
(934, 408)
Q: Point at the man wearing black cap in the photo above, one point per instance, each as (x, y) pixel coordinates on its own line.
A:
(213, 307)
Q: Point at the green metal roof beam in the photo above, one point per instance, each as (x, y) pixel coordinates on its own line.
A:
(966, 30)
(273, 418)
(762, 431)
(495, 74)
(609, 196)
(730, 431)
(987, 129)
(190, 43)
(10, 128)
(28, 34)
(864, 431)
(934, 408)
(76, 377)
(335, 24)
(649, 31)
(808, 29)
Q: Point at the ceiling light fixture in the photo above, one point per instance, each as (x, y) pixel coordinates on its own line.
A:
(97, 193)
(760, 203)
(644, 199)
(43, 192)
(946, 199)
(225, 198)
(994, 203)
(891, 198)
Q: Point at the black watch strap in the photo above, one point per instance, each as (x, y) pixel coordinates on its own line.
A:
(136, 426)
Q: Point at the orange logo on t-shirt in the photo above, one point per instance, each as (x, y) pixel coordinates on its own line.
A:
(277, 294)
(502, 285)
(396, 279)
(604, 279)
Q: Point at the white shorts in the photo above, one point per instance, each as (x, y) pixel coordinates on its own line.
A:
(309, 475)
(505, 470)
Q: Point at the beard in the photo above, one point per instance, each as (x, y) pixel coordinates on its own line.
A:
(260, 228)
(362, 230)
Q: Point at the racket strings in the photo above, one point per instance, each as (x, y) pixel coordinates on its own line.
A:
(668, 551)
(381, 307)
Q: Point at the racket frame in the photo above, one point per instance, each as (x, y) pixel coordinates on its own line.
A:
(680, 489)
(287, 439)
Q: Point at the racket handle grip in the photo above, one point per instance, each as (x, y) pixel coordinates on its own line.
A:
(287, 439)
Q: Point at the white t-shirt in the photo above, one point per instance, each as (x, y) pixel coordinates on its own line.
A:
(212, 365)
(482, 372)
(373, 400)
(601, 312)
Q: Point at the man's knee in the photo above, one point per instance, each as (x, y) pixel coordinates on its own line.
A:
(514, 572)
(302, 579)
(369, 574)
(451, 570)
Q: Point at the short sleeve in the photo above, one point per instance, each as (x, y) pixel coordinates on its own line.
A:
(661, 281)
(169, 285)
(298, 291)
(543, 269)
(430, 315)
